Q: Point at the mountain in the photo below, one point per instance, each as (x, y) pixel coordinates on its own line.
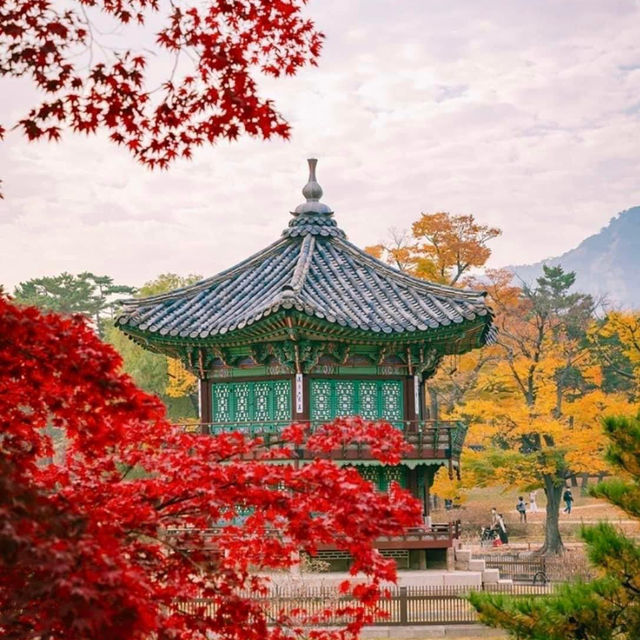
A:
(606, 264)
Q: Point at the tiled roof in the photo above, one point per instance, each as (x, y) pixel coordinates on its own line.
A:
(316, 271)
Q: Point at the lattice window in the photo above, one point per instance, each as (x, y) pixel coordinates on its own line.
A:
(281, 400)
(221, 409)
(321, 405)
(253, 405)
(371, 399)
(333, 555)
(392, 405)
(395, 474)
(372, 474)
(382, 476)
(242, 392)
(369, 406)
(396, 554)
(345, 398)
(262, 396)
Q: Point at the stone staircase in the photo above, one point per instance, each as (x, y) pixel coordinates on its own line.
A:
(464, 561)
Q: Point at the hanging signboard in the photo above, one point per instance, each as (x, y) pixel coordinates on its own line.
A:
(416, 395)
(299, 394)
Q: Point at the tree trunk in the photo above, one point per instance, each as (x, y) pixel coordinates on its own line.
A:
(433, 395)
(584, 485)
(195, 403)
(552, 539)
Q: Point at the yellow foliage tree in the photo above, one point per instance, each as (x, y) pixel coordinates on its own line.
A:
(396, 251)
(617, 341)
(181, 382)
(442, 247)
(155, 372)
(447, 246)
(536, 410)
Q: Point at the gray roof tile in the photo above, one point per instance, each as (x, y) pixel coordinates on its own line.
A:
(314, 269)
(325, 276)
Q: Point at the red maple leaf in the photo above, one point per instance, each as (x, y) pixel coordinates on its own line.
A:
(113, 521)
(225, 44)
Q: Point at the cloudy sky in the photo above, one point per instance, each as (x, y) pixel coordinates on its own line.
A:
(525, 113)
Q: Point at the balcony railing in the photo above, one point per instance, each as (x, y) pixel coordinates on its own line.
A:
(441, 534)
(427, 439)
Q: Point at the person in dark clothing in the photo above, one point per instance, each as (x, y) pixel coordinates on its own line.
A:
(521, 508)
(502, 530)
(567, 496)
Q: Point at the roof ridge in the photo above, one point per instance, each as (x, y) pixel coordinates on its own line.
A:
(302, 267)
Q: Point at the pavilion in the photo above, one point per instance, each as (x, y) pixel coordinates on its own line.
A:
(312, 328)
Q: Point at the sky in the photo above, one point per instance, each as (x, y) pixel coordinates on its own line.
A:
(525, 113)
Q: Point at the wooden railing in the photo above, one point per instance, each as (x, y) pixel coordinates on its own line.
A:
(438, 535)
(404, 606)
(427, 439)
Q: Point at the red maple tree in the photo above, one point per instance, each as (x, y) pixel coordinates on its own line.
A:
(213, 51)
(105, 534)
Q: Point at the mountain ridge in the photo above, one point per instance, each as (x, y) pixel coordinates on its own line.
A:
(607, 263)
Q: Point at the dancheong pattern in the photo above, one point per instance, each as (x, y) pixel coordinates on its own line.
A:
(371, 399)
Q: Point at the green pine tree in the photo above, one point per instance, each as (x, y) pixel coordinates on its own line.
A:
(608, 608)
(86, 293)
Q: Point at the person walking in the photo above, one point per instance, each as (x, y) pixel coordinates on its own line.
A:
(533, 507)
(567, 496)
(521, 508)
(502, 529)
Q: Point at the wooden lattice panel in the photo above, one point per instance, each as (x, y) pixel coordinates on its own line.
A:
(252, 403)
(371, 399)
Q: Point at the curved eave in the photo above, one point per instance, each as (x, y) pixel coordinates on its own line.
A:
(288, 324)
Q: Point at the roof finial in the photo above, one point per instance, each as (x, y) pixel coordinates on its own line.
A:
(312, 192)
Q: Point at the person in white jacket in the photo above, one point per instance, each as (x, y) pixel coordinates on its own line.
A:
(533, 507)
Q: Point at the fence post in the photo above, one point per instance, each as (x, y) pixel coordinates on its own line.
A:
(404, 616)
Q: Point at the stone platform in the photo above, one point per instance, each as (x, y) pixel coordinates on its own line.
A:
(431, 631)
(430, 578)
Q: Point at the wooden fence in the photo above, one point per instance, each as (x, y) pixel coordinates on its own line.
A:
(405, 606)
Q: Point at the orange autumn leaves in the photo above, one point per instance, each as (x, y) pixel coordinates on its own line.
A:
(441, 248)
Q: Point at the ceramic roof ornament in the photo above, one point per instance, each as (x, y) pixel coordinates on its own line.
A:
(312, 216)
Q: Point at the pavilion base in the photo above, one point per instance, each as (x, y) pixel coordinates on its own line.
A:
(406, 559)
(405, 578)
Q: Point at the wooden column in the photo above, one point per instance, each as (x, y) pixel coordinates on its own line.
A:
(409, 403)
(412, 482)
(204, 387)
(423, 403)
(429, 474)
